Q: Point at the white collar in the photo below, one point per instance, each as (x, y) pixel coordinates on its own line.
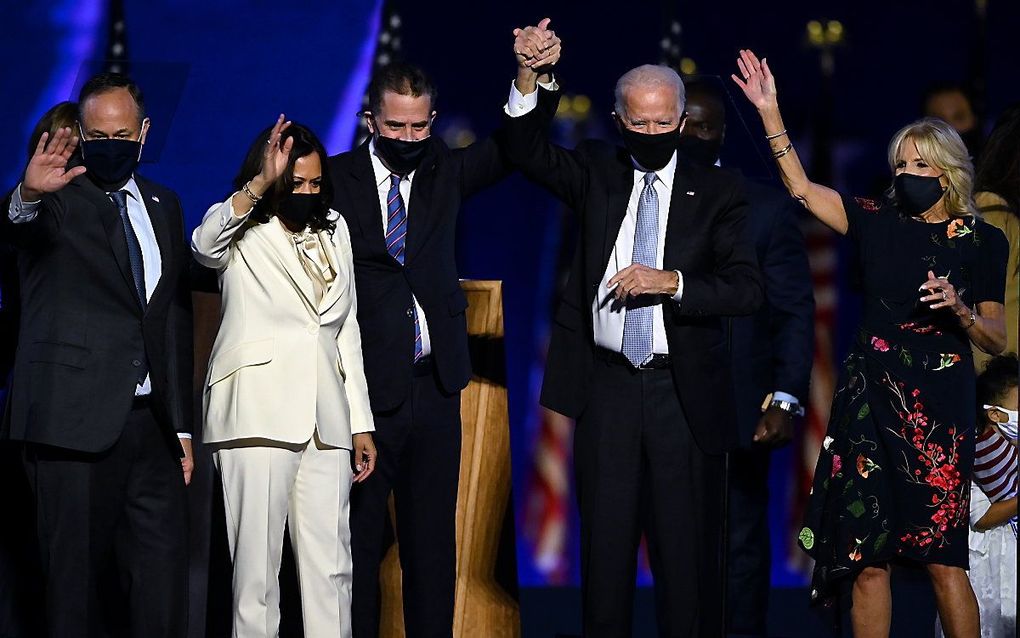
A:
(665, 174)
(382, 174)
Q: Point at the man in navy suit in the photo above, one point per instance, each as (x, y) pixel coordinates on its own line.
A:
(771, 354)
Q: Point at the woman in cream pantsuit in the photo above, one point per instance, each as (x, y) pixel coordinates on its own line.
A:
(286, 402)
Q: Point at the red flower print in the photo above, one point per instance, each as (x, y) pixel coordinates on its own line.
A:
(837, 464)
(880, 344)
(869, 205)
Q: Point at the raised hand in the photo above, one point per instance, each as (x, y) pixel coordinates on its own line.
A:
(756, 80)
(276, 156)
(47, 170)
(536, 46)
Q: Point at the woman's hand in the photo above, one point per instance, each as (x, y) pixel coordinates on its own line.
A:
(364, 456)
(943, 294)
(274, 159)
(756, 81)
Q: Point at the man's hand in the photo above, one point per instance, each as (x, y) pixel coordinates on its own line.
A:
(775, 428)
(188, 461)
(47, 170)
(537, 49)
(364, 456)
(638, 279)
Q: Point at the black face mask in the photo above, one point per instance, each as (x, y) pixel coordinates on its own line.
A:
(651, 151)
(700, 151)
(109, 162)
(915, 193)
(298, 208)
(401, 156)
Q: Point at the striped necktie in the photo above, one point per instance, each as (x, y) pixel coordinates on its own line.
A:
(637, 323)
(396, 238)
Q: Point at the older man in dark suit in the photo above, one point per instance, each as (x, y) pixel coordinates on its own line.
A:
(639, 348)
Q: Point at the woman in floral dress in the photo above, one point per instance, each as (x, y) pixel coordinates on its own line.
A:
(892, 484)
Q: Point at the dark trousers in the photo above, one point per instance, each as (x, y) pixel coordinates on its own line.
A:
(749, 561)
(638, 470)
(419, 462)
(115, 518)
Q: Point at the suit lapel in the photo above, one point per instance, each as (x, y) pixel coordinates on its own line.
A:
(366, 199)
(419, 212)
(113, 228)
(161, 228)
(342, 279)
(619, 190)
(682, 204)
(282, 248)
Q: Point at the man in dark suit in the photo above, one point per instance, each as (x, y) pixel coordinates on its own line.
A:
(771, 353)
(400, 193)
(638, 352)
(101, 389)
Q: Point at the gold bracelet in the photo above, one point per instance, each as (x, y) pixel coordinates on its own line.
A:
(781, 152)
(250, 195)
(973, 320)
(776, 135)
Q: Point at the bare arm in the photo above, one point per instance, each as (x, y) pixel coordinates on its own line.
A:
(998, 514)
(759, 86)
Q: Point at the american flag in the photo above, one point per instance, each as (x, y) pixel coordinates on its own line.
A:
(387, 49)
(116, 58)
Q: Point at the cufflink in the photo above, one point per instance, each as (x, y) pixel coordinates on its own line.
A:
(690, 193)
(155, 199)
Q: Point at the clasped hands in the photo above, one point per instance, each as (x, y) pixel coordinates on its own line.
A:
(537, 48)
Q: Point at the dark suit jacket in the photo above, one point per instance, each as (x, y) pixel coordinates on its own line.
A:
(84, 338)
(704, 240)
(443, 180)
(773, 348)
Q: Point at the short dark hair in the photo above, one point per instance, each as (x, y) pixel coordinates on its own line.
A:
(999, 168)
(103, 82)
(940, 88)
(999, 375)
(403, 79)
(709, 88)
(305, 143)
(62, 115)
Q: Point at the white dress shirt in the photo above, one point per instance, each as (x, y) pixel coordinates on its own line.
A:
(21, 212)
(607, 314)
(382, 181)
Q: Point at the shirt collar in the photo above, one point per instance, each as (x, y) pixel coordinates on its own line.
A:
(665, 174)
(131, 186)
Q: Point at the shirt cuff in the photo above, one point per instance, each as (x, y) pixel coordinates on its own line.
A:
(550, 86)
(519, 104)
(20, 211)
(184, 435)
(779, 395)
(679, 286)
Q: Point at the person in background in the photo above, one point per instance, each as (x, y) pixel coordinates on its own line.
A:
(893, 477)
(951, 103)
(286, 402)
(771, 353)
(401, 193)
(997, 196)
(101, 391)
(993, 500)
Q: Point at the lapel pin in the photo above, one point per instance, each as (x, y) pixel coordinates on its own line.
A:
(156, 199)
(690, 193)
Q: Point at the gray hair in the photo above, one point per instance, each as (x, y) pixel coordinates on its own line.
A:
(650, 76)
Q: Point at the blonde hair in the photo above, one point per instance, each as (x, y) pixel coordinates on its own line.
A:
(940, 146)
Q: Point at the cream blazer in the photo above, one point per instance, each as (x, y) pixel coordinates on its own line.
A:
(282, 367)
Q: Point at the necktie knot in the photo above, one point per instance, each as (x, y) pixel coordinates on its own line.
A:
(119, 198)
(395, 180)
(649, 179)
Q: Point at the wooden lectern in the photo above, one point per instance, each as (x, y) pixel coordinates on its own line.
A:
(483, 607)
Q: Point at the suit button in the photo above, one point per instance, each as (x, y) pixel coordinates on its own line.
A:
(136, 363)
(410, 312)
(312, 328)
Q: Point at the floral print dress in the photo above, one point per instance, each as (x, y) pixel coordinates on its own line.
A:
(893, 476)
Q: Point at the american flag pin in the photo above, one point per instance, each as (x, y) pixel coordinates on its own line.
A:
(156, 199)
(690, 193)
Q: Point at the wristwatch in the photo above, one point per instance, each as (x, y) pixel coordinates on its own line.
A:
(790, 407)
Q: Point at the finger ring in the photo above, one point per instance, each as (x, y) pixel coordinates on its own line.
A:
(747, 77)
(944, 295)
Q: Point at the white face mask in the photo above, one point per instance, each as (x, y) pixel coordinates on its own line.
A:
(1009, 428)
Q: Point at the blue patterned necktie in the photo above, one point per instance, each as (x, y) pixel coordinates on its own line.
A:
(637, 323)
(396, 237)
(134, 248)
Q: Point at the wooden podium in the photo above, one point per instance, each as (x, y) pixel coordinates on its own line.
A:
(483, 607)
